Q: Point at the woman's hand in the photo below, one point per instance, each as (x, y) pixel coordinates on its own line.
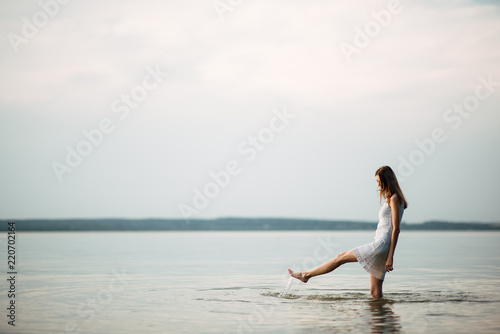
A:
(388, 264)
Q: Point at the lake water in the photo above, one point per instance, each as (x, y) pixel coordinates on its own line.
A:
(236, 282)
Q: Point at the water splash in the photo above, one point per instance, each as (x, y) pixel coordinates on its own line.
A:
(287, 288)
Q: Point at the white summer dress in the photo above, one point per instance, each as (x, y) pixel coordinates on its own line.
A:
(373, 256)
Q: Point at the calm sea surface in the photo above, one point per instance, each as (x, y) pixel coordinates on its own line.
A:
(236, 282)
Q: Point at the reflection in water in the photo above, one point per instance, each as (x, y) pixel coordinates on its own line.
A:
(383, 319)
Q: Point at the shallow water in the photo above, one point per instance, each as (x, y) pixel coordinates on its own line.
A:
(236, 282)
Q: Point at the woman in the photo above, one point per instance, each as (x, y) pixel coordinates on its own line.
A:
(376, 257)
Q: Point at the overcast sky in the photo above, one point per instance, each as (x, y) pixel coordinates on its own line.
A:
(133, 108)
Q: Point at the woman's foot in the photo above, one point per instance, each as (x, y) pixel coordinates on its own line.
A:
(299, 275)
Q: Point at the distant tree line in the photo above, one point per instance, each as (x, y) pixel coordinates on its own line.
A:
(227, 224)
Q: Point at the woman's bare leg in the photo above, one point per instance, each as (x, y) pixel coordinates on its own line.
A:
(376, 287)
(328, 266)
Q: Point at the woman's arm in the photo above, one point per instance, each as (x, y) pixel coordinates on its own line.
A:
(395, 208)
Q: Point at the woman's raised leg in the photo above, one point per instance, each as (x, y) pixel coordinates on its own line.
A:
(328, 266)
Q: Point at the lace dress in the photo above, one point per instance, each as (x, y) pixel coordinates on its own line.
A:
(373, 256)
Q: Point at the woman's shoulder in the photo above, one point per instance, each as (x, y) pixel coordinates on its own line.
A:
(394, 200)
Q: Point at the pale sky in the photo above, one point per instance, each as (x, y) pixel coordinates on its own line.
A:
(298, 102)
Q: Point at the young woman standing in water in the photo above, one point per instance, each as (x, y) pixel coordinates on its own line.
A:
(376, 257)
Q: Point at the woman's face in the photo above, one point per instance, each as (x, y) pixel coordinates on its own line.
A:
(378, 181)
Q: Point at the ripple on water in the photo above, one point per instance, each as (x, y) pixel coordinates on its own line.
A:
(395, 297)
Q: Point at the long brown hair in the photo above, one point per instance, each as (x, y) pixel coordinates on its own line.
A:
(389, 184)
